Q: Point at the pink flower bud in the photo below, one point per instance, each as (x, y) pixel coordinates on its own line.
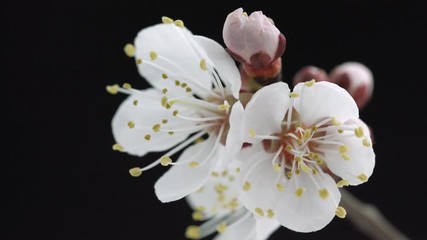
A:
(308, 73)
(356, 78)
(253, 39)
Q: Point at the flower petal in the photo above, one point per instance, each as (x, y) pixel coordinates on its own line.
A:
(170, 53)
(223, 63)
(310, 211)
(234, 140)
(264, 228)
(242, 230)
(324, 100)
(258, 181)
(265, 111)
(359, 161)
(181, 180)
(134, 120)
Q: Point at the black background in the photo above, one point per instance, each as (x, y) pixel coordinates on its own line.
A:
(61, 180)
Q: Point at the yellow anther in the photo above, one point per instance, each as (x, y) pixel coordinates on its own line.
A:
(112, 89)
(135, 172)
(358, 132)
(259, 211)
(280, 187)
(340, 212)
(245, 14)
(293, 94)
(311, 155)
(270, 213)
(298, 158)
(324, 193)
(299, 191)
(343, 149)
(299, 142)
(164, 101)
(310, 83)
(237, 170)
(246, 186)
(314, 128)
(177, 82)
(366, 142)
(335, 121)
(153, 55)
(165, 161)
(131, 124)
(147, 137)
(188, 89)
(343, 183)
(135, 102)
(197, 216)
(127, 86)
(167, 20)
(179, 23)
(164, 76)
(233, 204)
(129, 50)
(164, 121)
(289, 148)
(362, 177)
(252, 132)
(345, 156)
(138, 61)
(203, 65)
(214, 174)
(340, 131)
(164, 90)
(171, 133)
(156, 127)
(224, 107)
(289, 174)
(193, 164)
(221, 227)
(184, 85)
(224, 173)
(307, 134)
(276, 167)
(192, 232)
(175, 113)
(118, 147)
(314, 171)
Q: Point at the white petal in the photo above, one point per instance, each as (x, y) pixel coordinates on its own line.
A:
(324, 100)
(144, 115)
(242, 230)
(309, 212)
(208, 196)
(258, 173)
(361, 161)
(265, 111)
(234, 140)
(265, 227)
(223, 63)
(181, 180)
(178, 56)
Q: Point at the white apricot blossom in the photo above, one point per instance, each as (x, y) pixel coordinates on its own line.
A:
(305, 145)
(195, 88)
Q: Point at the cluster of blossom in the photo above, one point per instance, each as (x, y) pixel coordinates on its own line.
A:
(253, 155)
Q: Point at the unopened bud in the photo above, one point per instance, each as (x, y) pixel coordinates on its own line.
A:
(309, 73)
(253, 39)
(356, 78)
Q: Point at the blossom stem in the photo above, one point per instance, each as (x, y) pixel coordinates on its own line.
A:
(368, 219)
